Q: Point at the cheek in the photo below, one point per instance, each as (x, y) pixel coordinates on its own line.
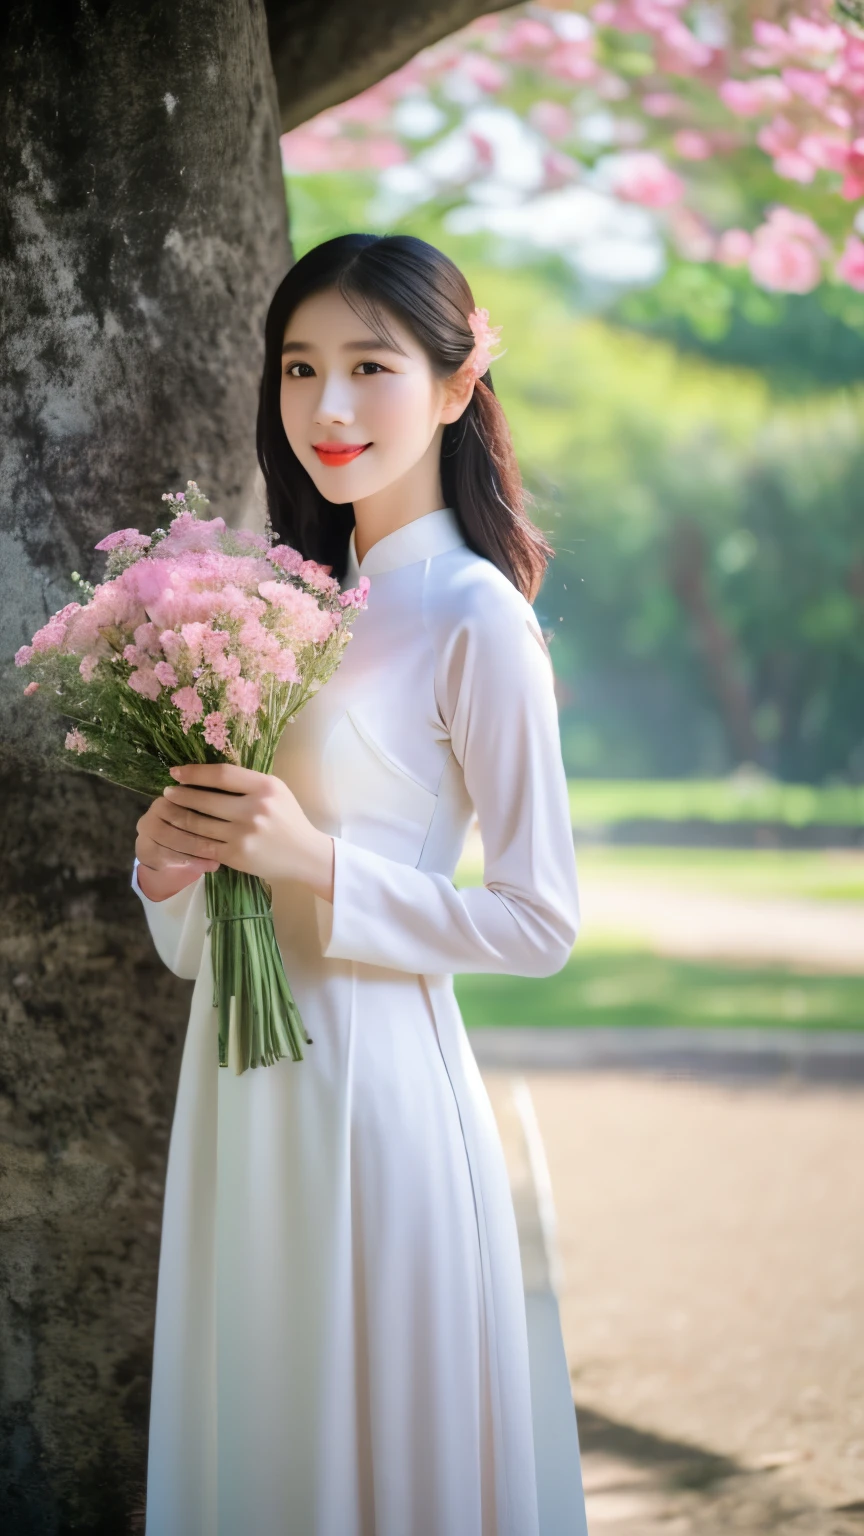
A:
(291, 406)
(399, 411)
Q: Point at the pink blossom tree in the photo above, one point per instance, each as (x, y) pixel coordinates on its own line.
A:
(660, 103)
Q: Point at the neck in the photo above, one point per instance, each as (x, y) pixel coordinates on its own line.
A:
(413, 495)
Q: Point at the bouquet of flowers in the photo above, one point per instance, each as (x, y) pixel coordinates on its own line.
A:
(200, 645)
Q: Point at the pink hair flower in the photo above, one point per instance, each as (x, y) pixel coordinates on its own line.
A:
(486, 337)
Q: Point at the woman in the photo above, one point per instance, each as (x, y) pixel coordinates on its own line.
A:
(341, 1344)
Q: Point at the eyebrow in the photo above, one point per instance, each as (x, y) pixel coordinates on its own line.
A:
(349, 346)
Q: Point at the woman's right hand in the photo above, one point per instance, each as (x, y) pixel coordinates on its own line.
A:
(167, 862)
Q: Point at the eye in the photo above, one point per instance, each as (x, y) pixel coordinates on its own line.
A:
(290, 374)
(371, 365)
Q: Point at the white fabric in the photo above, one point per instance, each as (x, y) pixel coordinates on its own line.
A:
(341, 1345)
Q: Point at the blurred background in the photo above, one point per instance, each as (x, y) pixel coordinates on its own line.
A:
(661, 206)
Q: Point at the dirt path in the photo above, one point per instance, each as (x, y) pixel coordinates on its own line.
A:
(699, 924)
(712, 1244)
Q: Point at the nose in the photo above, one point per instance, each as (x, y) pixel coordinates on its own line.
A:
(334, 402)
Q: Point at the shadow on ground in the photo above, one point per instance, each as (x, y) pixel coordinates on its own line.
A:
(638, 1484)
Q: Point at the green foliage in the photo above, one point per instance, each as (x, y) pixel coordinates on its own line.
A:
(800, 342)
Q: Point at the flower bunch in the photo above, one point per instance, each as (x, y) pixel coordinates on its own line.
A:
(201, 645)
(486, 337)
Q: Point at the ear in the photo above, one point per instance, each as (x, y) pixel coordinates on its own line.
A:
(458, 390)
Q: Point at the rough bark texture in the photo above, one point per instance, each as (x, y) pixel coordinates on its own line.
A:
(142, 233)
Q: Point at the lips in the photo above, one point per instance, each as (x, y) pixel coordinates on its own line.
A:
(337, 454)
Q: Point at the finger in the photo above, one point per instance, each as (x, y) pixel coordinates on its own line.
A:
(182, 861)
(224, 776)
(176, 841)
(207, 802)
(188, 820)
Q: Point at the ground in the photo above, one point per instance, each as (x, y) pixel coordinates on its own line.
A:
(712, 1299)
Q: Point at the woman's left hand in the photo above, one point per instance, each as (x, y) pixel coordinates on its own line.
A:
(252, 822)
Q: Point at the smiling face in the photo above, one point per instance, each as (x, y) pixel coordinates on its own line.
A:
(344, 389)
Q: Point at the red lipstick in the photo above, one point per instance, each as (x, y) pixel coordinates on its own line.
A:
(337, 454)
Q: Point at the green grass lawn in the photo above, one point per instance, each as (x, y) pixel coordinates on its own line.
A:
(637, 987)
(614, 978)
(823, 874)
(602, 802)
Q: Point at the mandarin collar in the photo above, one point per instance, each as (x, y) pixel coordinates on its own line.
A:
(432, 534)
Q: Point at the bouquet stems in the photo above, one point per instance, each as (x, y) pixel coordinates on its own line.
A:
(259, 1021)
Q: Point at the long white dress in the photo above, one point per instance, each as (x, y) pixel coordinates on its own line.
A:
(340, 1344)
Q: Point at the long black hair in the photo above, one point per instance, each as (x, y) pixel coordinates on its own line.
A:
(404, 277)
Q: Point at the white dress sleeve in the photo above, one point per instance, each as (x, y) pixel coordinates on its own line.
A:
(177, 926)
(495, 691)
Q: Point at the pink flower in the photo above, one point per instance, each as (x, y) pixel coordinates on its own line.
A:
(251, 539)
(125, 538)
(75, 742)
(187, 533)
(284, 667)
(189, 704)
(679, 51)
(23, 655)
(31, 688)
(172, 645)
(782, 263)
(301, 617)
(799, 226)
(146, 637)
(166, 674)
(213, 643)
(316, 576)
(288, 560)
(853, 181)
(747, 98)
(850, 267)
(355, 597)
(145, 682)
(645, 179)
(226, 666)
(216, 731)
(194, 635)
(733, 248)
(691, 145)
(527, 36)
(573, 62)
(243, 697)
(810, 84)
(88, 666)
(824, 152)
(53, 633)
(661, 104)
(551, 118)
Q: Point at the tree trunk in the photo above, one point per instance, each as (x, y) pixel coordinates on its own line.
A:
(716, 643)
(142, 234)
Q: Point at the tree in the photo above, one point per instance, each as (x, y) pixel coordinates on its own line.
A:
(143, 230)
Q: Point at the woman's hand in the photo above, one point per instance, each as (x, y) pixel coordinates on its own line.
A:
(217, 813)
(168, 860)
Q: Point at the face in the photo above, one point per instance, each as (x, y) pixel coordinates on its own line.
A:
(360, 415)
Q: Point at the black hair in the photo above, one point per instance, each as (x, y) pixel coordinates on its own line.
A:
(404, 277)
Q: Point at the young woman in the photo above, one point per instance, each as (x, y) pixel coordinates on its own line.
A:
(341, 1344)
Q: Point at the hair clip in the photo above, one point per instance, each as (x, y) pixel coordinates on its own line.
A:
(486, 337)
